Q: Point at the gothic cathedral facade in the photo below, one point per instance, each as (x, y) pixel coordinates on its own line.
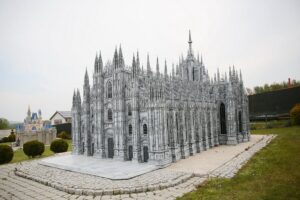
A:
(138, 115)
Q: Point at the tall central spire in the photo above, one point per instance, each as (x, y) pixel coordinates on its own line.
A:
(190, 43)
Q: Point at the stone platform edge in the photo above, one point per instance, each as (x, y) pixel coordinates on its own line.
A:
(115, 191)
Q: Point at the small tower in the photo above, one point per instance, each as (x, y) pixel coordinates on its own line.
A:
(166, 70)
(115, 60)
(148, 66)
(190, 52)
(157, 67)
(134, 73)
(76, 124)
(86, 115)
(121, 59)
(138, 67)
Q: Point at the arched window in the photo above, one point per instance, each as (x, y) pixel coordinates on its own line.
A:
(129, 110)
(109, 90)
(240, 122)
(193, 74)
(223, 119)
(109, 115)
(130, 129)
(145, 131)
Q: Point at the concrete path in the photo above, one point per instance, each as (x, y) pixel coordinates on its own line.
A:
(207, 161)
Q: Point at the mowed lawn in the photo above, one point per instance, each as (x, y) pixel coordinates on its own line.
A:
(272, 173)
(20, 156)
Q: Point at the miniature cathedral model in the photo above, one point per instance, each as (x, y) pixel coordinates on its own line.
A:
(141, 116)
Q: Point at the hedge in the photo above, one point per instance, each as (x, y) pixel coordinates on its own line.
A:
(59, 146)
(6, 153)
(33, 148)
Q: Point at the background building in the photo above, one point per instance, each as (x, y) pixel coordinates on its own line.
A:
(61, 117)
(273, 105)
(34, 128)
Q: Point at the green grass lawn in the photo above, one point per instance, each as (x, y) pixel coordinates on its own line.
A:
(20, 156)
(272, 173)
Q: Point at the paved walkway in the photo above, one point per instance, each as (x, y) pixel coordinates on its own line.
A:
(206, 161)
(169, 183)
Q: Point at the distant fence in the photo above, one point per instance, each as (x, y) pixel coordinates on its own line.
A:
(67, 127)
(273, 105)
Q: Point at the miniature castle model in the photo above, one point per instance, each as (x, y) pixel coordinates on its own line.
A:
(142, 116)
(34, 128)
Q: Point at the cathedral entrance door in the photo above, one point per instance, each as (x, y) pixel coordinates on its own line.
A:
(130, 153)
(110, 147)
(146, 154)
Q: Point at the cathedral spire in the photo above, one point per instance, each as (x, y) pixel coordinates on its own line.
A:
(96, 64)
(133, 66)
(166, 70)
(190, 43)
(157, 67)
(100, 63)
(86, 78)
(121, 59)
(218, 75)
(173, 72)
(115, 59)
(137, 62)
(74, 98)
(148, 65)
(233, 71)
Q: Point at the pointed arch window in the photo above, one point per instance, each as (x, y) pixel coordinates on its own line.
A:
(145, 130)
(109, 115)
(240, 122)
(130, 129)
(223, 119)
(109, 90)
(193, 74)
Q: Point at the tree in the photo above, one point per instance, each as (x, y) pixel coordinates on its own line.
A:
(295, 114)
(4, 124)
(274, 86)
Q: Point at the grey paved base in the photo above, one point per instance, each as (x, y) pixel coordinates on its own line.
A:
(106, 168)
(30, 180)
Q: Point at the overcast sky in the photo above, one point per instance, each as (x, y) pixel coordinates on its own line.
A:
(45, 46)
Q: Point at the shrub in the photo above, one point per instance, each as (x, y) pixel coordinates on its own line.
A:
(287, 123)
(12, 137)
(63, 135)
(295, 114)
(5, 139)
(252, 127)
(270, 125)
(58, 146)
(6, 154)
(33, 148)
